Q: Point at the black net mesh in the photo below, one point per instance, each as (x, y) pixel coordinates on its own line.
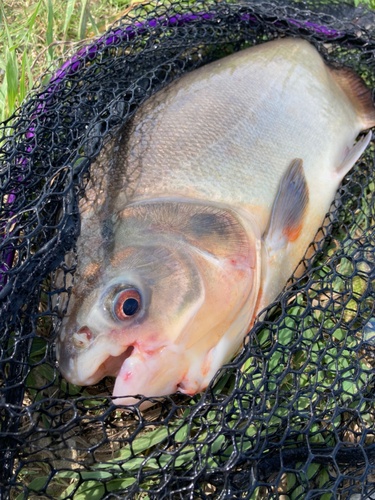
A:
(293, 415)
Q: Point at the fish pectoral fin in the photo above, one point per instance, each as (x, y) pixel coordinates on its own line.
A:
(288, 209)
(353, 155)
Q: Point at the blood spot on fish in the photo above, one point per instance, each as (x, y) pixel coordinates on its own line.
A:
(126, 375)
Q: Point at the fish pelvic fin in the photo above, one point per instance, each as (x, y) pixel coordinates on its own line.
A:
(359, 95)
(288, 209)
(353, 155)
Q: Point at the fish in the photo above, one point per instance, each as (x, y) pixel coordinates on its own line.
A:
(217, 186)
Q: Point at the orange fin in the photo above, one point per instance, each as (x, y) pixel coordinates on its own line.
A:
(288, 209)
(359, 95)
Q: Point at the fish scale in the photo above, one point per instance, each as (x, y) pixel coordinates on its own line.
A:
(209, 151)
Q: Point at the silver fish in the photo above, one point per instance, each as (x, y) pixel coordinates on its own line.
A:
(223, 180)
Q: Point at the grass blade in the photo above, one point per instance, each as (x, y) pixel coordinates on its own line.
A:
(29, 74)
(83, 19)
(49, 32)
(68, 15)
(12, 78)
(4, 20)
(93, 23)
(35, 486)
(23, 79)
(3, 100)
(32, 18)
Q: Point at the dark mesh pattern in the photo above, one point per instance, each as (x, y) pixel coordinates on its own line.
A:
(293, 416)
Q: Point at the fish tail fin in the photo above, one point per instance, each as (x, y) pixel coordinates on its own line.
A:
(359, 95)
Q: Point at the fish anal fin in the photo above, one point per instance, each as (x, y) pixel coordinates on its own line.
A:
(289, 208)
(353, 155)
(359, 95)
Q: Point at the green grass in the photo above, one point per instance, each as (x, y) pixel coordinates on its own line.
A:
(35, 33)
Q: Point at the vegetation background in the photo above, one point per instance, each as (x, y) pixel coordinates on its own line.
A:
(35, 32)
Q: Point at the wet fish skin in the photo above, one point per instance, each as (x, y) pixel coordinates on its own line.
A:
(222, 182)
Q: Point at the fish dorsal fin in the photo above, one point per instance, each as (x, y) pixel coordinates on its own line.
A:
(288, 209)
(359, 95)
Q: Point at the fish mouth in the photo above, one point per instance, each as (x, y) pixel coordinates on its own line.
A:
(113, 364)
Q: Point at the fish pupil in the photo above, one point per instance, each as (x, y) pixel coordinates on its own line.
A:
(130, 306)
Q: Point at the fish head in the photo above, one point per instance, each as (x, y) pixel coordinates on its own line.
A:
(163, 313)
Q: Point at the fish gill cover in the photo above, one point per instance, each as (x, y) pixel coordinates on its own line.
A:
(293, 415)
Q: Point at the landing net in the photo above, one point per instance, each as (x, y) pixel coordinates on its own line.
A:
(292, 417)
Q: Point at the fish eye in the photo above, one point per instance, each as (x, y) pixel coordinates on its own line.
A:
(126, 304)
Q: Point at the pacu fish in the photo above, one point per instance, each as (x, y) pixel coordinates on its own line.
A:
(222, 180)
